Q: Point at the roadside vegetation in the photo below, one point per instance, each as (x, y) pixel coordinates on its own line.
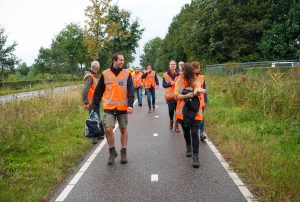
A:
(254, 119)
(41, 142)
(39, 86)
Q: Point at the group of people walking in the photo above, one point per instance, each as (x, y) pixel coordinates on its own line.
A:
(185, 96)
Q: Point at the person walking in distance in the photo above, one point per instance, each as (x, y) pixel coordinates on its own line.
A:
(115, 89)
(90, 82)
(138, 84)
(196, 65)
(169, 79)
(151, 84)
(190, 127)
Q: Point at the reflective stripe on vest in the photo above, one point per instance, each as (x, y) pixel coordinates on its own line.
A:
(111, 97)
(92, 88)
(150, 80)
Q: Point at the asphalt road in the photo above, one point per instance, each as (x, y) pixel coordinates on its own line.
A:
(162, 155)
(21, 96)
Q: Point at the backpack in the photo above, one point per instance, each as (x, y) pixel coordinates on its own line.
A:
(94, 126)
(190, 108)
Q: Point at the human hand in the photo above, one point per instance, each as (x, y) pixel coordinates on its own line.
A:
(129, 110)
(190, 95)
(156, 88)
(172, 83)
(87, 106)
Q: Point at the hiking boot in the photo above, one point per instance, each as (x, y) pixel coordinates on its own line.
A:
(203, 136)
(196, 162)
(177, 127)
(153, 108)
(123, 155)
(188, 151)
(149, 110)
(112, 155)
(171, 125)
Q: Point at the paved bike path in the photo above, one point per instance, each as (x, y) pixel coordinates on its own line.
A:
(149, 156)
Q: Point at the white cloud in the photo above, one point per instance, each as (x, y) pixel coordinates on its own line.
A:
(34, 23)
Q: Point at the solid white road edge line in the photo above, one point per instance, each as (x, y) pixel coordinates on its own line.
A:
(239, 183)
(83, 168)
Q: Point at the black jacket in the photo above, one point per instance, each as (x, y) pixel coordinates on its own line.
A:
(99, 91)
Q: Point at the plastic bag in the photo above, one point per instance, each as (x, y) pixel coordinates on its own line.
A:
(94, 126)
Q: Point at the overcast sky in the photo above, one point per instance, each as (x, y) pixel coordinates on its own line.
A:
(34, 23)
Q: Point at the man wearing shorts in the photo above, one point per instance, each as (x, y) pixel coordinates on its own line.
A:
(115, 89)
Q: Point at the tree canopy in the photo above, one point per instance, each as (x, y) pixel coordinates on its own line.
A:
(215, 31)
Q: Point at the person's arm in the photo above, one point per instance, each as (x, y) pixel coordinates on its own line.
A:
(156, 80)
(86, 88)
(205, 95)
(144, 75)
(130, 89)
(165, 83)
(98, 93)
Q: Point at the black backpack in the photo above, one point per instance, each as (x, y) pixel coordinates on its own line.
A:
(94, 126)
(191, 107)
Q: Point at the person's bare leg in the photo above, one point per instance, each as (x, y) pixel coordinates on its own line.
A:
(124, 137)
(110, 136)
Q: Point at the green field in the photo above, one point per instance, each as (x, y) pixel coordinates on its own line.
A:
(254, 119)
(41, 142)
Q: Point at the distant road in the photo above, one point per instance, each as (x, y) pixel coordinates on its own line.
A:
(25, 95)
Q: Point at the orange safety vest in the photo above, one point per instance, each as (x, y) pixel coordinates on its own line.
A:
(150, 80)
(200, 79)
(180, 103)
(169, 92)
(137, 79)
(92, 88)
(115, 94)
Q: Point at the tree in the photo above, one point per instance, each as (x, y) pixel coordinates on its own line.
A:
(94, 31)
(44, 63)
(7, 57)
(23, 69)
(68, 50)
(153, 54)
(123, 35)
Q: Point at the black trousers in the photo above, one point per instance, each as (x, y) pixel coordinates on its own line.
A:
(172, 108)
(191, 135)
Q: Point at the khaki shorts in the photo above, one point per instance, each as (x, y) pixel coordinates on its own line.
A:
(109, 120)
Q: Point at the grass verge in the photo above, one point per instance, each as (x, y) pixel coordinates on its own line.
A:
(41, 141)
(261, 143)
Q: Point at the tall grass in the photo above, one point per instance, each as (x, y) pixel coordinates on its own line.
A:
(41, 139)
(255, 120)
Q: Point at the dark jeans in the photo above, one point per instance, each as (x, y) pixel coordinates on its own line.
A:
(150, 93)
(139, 94)
(191, 136)
(202, 123)
(172, 108)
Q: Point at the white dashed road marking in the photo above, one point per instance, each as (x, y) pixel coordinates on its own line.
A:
(154, 177)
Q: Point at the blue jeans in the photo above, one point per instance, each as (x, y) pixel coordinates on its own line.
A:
(150, 92)
(139, 94)
(202, 123)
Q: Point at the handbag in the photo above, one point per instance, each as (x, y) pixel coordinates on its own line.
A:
(94, 126)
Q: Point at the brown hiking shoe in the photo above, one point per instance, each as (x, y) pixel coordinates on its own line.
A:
(177, 127)
(123, 155)
(171, 125)
(112, 155)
